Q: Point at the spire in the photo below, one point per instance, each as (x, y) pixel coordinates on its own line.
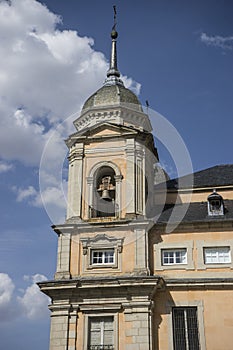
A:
(113, 75)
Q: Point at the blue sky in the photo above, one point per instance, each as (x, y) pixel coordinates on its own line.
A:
(177, 54)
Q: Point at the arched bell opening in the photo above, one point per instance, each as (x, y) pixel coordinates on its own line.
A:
(104, 193)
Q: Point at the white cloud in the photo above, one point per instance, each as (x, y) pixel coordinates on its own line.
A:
(33, 302)
(46, 77)
(6, 289)
(225, 43)
(24, 193)
(8, 309)
(4, 167)
(52, 198)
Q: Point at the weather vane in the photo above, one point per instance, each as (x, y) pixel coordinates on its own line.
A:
(114, 25)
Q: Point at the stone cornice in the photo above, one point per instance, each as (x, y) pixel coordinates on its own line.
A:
(123, 115)
(199, 189)
(199, 283)
(193, 226)
(111, 287)
(75, 225)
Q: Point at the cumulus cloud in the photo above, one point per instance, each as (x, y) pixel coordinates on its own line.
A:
(225, 43)
(24, 193)
(6, 289)
(31, 304)
(34, 304)
(7, 308)
(46, 77)
(4, 167)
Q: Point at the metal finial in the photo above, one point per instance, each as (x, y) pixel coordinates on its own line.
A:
(113, 75)
(114, 19)
(114, 33)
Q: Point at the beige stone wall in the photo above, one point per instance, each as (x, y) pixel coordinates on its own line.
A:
(215, 311)
(131, 329)
(194, 242)
(201, 196)
(125, 258)
(196, 196)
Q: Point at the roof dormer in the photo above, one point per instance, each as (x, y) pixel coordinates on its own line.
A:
(215, 204)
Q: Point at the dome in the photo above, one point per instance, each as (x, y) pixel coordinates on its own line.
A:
(109, 95)
(113, 102)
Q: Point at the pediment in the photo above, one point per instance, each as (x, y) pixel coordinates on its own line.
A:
(102, 241)
(108, 130)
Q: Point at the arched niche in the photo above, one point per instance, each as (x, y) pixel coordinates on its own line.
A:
(104, 188)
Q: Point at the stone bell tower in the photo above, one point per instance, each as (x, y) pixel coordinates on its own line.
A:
(103, 288)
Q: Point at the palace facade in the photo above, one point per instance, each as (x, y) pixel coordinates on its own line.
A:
(125, 280)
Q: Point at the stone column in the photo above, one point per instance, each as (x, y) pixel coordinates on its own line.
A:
(74, 198)
(89, 198)
(138, 326)
(72, 334)
(63, 256)
(59, 327)
(140, 180)
(130, 178)
(118, 208)
(141, 248)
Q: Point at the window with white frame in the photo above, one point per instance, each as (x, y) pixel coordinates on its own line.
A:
(103, 257)
(102, 251)
(217, 255)
(174, 256)
(101, 333)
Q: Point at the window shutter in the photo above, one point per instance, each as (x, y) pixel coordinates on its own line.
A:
(101, 332)
(95, 332)
(108, 331)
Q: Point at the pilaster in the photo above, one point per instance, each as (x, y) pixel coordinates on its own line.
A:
(138, 325)
(75, 181)
(72, 334)
(59, 328)
(63, 256)
(130, 177)
(141, 252)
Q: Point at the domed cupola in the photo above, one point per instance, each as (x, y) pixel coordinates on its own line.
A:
(112, 95)
(113, 102)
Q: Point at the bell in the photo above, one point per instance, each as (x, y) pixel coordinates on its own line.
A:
(105, 195)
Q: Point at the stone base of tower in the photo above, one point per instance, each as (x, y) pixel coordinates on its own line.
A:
(113, 311)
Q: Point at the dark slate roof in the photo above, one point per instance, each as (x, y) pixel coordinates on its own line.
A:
(196, 212)
(219, 175)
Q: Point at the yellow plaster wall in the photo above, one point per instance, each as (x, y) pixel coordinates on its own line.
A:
(179, 239)
(202, 196)
(75, 256)
(80, 331)
(126, 259)
(217, 316)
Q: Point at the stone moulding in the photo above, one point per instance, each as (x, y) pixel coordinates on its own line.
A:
(101, 241)
(120, 115)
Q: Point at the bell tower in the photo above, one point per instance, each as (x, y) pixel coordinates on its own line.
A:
(103, 284)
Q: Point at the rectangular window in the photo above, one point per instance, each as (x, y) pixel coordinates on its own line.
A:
(185, 328)
(101, 333)
(217, 255)
(103, 257)
(174, 256)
